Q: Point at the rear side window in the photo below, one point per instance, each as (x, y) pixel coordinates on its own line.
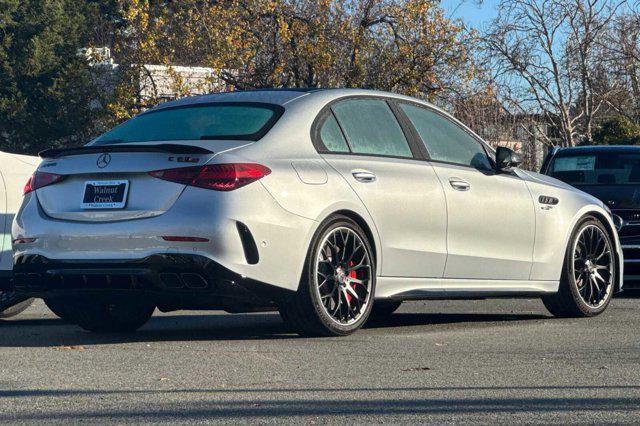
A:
(445, 140)
(371, 128)
(195, 122)
(332, 137)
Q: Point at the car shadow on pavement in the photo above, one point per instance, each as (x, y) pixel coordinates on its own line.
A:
(481, 404)
(415, 319)
(210, 327)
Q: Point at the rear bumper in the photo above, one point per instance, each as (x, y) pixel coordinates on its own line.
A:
(173, 281)
(245, 231)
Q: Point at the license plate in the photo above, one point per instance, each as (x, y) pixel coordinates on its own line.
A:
(105, 194)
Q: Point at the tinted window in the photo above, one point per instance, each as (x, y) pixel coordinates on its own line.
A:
(608, 168)
(332, 137)
(445, 140)
(193, 123)
(371, 127)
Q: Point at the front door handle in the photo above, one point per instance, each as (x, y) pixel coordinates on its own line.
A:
(459, 184)
(363, 176)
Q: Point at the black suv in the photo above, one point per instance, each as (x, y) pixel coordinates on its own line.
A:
(612, 174)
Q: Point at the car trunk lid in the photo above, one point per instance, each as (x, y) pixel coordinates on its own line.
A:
(112, 182)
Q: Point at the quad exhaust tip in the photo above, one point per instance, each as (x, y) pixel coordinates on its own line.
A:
(189, 280)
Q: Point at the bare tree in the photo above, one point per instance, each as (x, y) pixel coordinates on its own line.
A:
(621, 54)
(544, 57)
(588, 22)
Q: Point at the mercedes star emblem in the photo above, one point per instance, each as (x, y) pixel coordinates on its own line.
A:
(103, 160)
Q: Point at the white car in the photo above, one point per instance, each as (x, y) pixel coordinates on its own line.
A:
(328, 205)
(15, 170)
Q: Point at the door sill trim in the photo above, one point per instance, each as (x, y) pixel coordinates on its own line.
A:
(443, 288)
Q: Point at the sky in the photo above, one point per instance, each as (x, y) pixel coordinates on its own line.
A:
(469, 11)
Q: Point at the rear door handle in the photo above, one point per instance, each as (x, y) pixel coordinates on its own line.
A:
(459, 184)
(363, 176)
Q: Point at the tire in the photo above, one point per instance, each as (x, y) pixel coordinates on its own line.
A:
(577, 296)
(117, 315)
(11, 304)
(384, 308)
(58, 307)
(339, 311)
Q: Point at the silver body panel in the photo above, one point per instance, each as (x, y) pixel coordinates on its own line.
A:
(408, 208)
(497, 210)
(426, 288)
(430, 240)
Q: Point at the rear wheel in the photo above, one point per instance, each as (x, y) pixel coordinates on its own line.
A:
(11, 304)
(336, 290)
(110, 315)
(589, 273)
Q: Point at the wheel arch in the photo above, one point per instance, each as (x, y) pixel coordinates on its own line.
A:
(602, 217)
(367, 226)
(362, 223)
(613, 235)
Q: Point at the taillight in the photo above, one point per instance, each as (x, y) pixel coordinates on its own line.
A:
(41, 179)
(219, 177)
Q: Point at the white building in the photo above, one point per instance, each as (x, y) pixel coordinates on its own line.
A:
(157, 82)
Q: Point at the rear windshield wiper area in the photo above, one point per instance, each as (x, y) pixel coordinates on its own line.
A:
(167, 147)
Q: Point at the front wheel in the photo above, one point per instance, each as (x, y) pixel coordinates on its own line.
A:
(118, 315)
(588, 275)
(336, 290)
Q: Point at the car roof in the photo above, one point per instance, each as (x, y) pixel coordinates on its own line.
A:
(307, 98)
(271, 96)
(598, 149)
(279, 96)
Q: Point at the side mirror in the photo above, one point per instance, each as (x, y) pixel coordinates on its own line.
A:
(506, 159)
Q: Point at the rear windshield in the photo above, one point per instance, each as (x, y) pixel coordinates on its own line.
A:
(197, 122)
(609, 168)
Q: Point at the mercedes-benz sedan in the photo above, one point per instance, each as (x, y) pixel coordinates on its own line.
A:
(328, 205)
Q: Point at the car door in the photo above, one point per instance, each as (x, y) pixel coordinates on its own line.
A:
(491, 216)
(362, 139)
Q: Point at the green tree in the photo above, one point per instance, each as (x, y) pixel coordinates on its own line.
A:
(47, 94)
(50, 96)
(617, 131)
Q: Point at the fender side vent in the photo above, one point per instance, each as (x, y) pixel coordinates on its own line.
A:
(248, 244)
(545, 199)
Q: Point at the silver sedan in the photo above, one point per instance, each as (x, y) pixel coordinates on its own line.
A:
(328, 205)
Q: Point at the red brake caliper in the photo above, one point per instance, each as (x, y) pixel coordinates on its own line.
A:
(352, 274)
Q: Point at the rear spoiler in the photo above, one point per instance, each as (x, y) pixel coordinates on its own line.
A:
(81, 150)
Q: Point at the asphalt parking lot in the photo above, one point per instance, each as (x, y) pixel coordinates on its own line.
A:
(486, 361)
